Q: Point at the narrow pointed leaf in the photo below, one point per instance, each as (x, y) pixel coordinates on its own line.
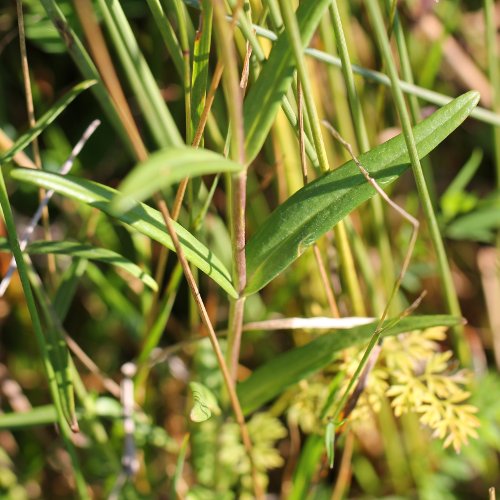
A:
(264, 97)
(167, 167)
(142, 218)
(318, 206)
(84, 251)
(287, 369)
(45, 120)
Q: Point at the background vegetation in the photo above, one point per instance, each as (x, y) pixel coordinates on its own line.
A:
(275, 338)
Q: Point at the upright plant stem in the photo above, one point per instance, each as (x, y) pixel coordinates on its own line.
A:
(361, 134)
(494, 74)
(237, 191)
(51, 261)
(407, 75)
(430, 217)
(186, 56)
(229, 383)
(343, 247)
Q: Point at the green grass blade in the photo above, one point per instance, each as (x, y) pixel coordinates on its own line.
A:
(90, 252)
(154, 109)
(141, 218)
(167, 167)
(286, 369)
(41, 415)
(58, 352)
(67, 288)
(83, 61)
(45, 120)
(314, 209)
(201, 55)
(167, 33)
(265, 96)
(481, 114)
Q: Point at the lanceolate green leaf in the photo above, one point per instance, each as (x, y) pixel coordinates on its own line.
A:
(142, 218)
(314, 209)
(264, 98)
(287, 369)
(167, 167)
(45, 120)
(83, 251)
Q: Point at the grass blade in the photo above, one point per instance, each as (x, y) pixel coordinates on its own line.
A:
(201, 55)
(153, 106)
(265, 96)
(318, 206)
(45, 120)
(85, 65)
(142, 218)
(41, 415)
(84, 251)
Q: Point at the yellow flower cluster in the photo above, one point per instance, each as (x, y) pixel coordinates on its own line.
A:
(415, 375)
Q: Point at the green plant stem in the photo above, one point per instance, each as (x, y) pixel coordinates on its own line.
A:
(138, 73)
(345, 255)
(186, 56)
(416, 116)
(436, 98)
(40, 338)
(388, 272)
(494, 74)
(237, 184)
(294, 37)
(443, 266)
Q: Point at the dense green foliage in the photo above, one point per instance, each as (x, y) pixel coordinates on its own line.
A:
(326, 373)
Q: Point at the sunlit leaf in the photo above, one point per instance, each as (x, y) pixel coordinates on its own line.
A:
(142, 218)
(310, 212)
(167, 167)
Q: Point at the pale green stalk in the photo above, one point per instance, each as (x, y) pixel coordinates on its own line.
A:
(360, 131)
(445, 276)
(186, 56)
(344, 250)
(494, 74)
(136, 69)
(167, 33)
(416, 115)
